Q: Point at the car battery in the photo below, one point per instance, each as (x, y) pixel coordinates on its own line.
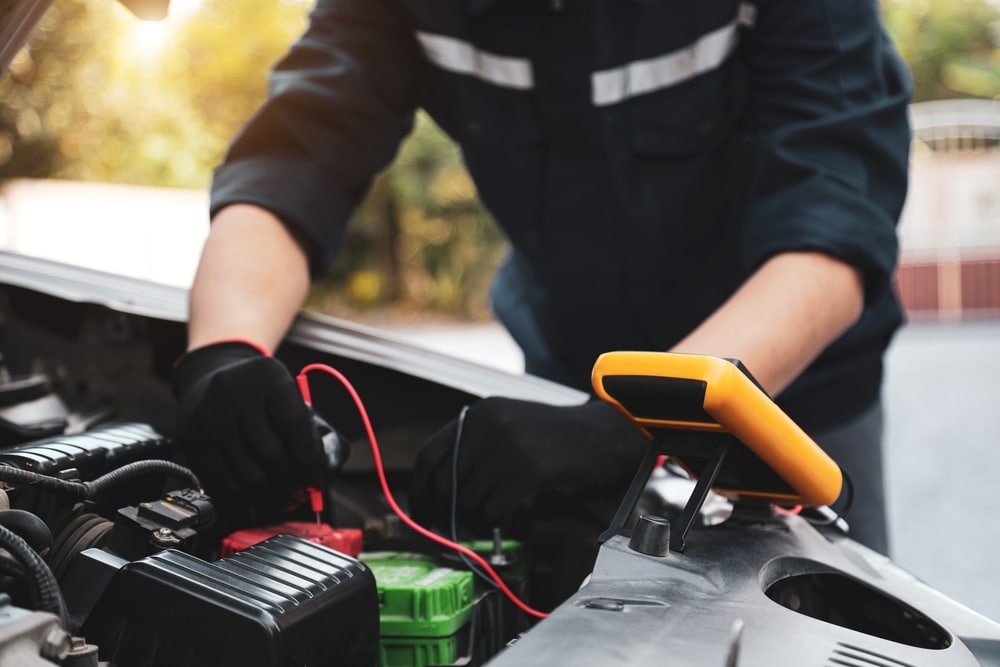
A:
(424, 609)
(345, 540)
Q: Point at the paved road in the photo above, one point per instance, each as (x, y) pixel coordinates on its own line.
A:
(942, 401)
(943, 446)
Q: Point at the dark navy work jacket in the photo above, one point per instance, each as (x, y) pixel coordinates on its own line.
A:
(643, 157)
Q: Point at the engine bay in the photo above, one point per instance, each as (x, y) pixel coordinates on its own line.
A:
(113, 554)
(148, 569)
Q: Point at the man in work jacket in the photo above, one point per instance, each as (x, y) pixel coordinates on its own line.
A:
(710, 177)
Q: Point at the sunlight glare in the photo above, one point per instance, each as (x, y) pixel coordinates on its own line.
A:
(148, 38)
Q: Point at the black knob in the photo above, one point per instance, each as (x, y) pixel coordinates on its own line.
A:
(651, 536)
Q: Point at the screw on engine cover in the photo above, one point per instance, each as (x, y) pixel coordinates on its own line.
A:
(68, 650)
(165, 536)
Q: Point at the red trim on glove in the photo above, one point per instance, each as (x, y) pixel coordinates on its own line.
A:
(246, 341)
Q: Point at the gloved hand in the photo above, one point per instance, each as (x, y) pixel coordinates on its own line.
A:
(244, 428)
(513, 453)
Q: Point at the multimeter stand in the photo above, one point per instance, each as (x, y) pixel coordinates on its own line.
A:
(713, 448)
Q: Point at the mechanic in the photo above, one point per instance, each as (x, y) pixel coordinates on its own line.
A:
(719, 178)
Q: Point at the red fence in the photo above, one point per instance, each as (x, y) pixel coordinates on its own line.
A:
(959, 290)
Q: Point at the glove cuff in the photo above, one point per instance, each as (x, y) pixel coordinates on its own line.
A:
(243, 341)
(201, 361)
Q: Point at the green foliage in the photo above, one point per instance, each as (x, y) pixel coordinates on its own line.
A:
(421, 242)
(100, 95)
(951, 46)
(36, 97)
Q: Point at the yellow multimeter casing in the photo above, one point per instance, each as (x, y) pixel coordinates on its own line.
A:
(777, 462)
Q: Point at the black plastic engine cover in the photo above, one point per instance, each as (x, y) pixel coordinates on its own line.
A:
(85, 456)
(99, 450)
(284, 601)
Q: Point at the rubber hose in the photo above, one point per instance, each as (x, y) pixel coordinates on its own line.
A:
(12, 475)
(49, 596)
(30, 527)
(87, 490)
(138, 469)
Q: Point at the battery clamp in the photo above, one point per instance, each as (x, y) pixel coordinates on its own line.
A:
(712, 417)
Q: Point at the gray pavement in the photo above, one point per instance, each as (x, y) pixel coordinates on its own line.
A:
(942, 406)
(942, 397)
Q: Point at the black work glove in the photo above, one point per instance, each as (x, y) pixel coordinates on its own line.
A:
(515, 454)
(244, 428)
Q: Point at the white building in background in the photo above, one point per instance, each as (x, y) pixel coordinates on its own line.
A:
(950, 230)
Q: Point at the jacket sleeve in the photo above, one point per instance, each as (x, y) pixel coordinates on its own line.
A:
(829, 135)
(339, 104)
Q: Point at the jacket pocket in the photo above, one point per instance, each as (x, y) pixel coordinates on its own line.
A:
(685, 82)
(688, 118)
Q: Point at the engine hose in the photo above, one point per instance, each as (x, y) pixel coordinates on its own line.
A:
(28, 526)
(12, 475)
(82, 532)
(87, 490)
(138, 469)
(47, 589)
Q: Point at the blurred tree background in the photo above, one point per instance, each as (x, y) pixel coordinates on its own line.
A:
(951, 46)
(98, 95)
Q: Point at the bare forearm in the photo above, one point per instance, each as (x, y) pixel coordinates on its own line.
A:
(251, 280)
(782, 317)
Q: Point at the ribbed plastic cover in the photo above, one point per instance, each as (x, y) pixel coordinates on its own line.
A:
(95, 452)
(284, 601)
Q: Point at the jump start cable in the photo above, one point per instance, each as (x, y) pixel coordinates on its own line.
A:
(483, 564)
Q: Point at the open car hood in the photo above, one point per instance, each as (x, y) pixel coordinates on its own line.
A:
(17, 20)
(146, 300)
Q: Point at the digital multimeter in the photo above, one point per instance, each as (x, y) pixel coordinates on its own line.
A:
(768, 457)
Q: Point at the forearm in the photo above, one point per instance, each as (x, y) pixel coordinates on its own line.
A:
(252, 278)
(782, 317)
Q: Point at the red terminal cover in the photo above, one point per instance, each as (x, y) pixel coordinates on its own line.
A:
(345, 540)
